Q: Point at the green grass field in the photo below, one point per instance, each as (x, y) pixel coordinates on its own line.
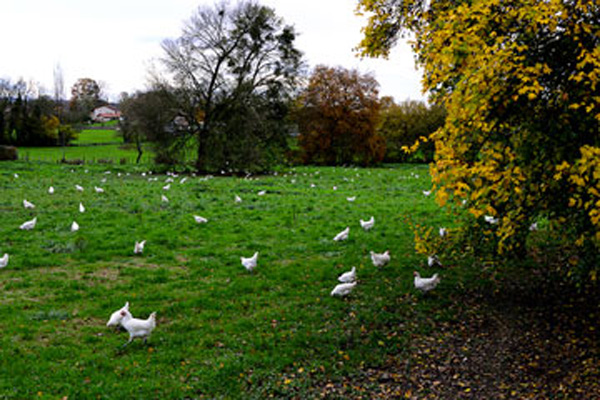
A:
(89, 154)
(91, 146)
(221, 330)
(98, 136)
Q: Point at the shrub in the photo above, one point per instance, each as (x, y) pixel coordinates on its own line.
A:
(520, 143)
(402, 124)
(8, 153)
(74, 161)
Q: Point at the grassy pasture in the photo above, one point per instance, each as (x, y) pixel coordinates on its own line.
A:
(221, 330)
(98, 136)
(102, 143)
(92, 154)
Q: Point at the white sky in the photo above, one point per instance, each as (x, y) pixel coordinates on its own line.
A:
(115, 41)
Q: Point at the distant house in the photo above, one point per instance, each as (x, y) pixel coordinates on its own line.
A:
(179, 124)
(105, 113)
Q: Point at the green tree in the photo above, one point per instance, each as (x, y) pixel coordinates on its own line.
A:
(5, 100)
(233, 59)
(151, 116)
(402, 124)
(27, 119)
(85, 96)
(337, 115)
(520, 82)
(16, 121)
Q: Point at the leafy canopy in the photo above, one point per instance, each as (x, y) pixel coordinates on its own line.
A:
(520, 81)
(401, 124)
(85, 96)
(337, 117)
(234, 59)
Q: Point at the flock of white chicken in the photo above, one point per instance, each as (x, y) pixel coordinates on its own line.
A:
(348, 279)
(138, 328)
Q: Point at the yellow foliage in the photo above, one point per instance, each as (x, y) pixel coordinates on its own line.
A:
(521, 134)
(50, 125)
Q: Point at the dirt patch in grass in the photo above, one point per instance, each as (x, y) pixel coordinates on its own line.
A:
(285, 262)
(181, 258)
(111, 274)
(141, 263)
(525, 340)
(4, 283)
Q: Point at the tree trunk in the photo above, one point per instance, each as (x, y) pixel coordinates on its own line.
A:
(140, 151)
(201, 153)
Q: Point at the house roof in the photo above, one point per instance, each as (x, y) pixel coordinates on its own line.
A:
(107, 106)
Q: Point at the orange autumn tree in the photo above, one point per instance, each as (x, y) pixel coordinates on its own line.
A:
(337, 116)
(521, 83)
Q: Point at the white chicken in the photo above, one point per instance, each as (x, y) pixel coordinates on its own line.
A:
(343, 289)
(533, 227)
(433, 260)
(238, 199)
(380, 260)
(262, 193)
(200, 220)
(98, 189)
(343, 235)
(368, 225)
(490, 220)
(351, 199)
(81, 208)
(74, 227)
(426, 284)
(28, 225)
(164, 198)
(139, 247)
(348, 277)
(4, 260)
(167, 187)
(250, 263)
(426, 193)
(51, 190)
(79, 188)
(443, 232)
(115, 318)
(137, 328)
(28, 204)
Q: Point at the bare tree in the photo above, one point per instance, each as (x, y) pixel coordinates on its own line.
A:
(227, 56)
(59, 84)
(59, 93)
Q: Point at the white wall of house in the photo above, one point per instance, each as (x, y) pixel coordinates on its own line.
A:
(105, 113)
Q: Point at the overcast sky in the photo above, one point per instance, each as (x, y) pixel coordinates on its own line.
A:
(115, 41)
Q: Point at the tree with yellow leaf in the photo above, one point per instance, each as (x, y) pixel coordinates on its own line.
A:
(520, 81)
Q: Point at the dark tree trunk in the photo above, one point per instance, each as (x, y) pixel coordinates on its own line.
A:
(140, 151)
(201, 153)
